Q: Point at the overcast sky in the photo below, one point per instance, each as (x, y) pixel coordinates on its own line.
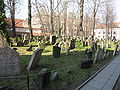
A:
(23, 13)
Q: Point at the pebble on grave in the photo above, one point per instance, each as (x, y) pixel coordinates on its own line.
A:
(9, 62)
(44, 78)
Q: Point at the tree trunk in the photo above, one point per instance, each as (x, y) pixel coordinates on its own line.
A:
(13, 18)
(65, 20)
(81, 17)
(51, 17)
(3, 30)
(29, 20)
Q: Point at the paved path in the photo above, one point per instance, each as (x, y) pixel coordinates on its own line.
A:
(105, 79)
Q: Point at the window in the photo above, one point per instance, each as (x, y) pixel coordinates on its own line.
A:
(99, 32)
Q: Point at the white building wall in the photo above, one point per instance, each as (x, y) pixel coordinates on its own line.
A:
(101, 33)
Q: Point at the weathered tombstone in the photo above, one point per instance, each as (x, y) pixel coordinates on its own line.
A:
(89, 53)
(100, 56)
(52, 40)
(62, 45)
(26, 42)
(41, 44)
(56, 51)
(44, 78)
(26, 37)
(35, 59)
(86, 51)
(72, 44)
(83, 43)
(108, 54)
(109, 46)
(95, 45)
(55, 76)
(30, 48)
(97, 54)
(86, 43)
(86, 64)
(9, 62)
(20, 43)
(115, 50)
(2, 41)
(67, 48)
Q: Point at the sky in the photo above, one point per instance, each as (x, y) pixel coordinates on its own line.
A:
(23, 12)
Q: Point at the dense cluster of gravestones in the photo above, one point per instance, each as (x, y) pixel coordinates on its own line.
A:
(10, 62)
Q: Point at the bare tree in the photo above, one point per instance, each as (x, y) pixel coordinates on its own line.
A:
(95, 6)
(29, 20)
(11, 6)
(108, 18)
(80, 29)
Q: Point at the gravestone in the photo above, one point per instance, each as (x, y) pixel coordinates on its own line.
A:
(20, 43)
(72, 44)
(44, 78)
(26, 42)
(52, 40)
(89, 53)
(86, 51)
(115, 50)
(41, 44)
(86, 64)
(83, 43)
(30, 48)
(2, 41)
(56, 51)
(35, 59)
(26, 37)
(9, 62)
(67, 48)
(55, 76)
(97, 54)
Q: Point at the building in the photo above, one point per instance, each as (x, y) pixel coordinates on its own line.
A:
(111, 33)
(21, 29)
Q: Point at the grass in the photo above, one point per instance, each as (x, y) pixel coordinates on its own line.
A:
(62, 65)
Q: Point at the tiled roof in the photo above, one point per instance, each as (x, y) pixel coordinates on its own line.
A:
(18, 22)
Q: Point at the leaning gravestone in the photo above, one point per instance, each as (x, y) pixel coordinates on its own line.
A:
(9, 62)
(97, 54)
(115, 50)
(34, 59)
